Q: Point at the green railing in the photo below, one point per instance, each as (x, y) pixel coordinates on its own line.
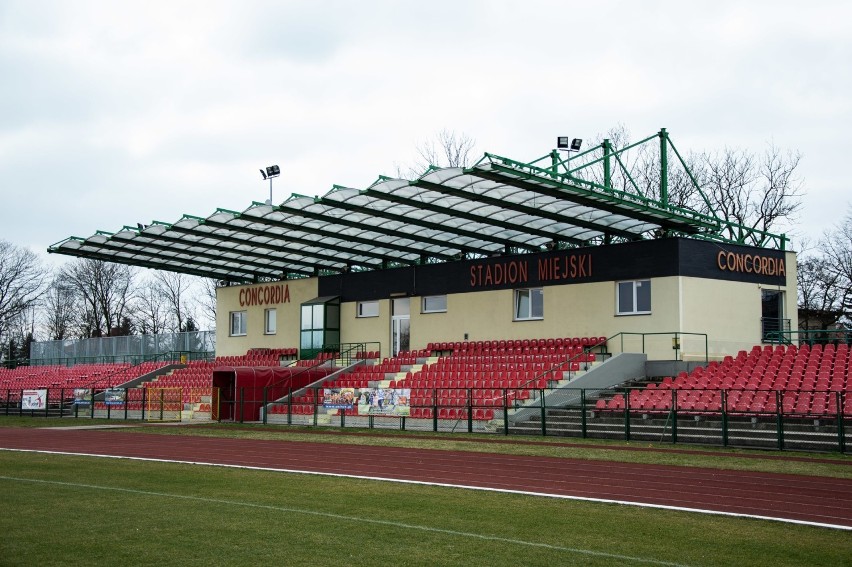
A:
(677, 341)
(346, 352)
(810, 337)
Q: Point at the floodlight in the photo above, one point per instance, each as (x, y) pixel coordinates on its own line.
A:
(567, 144)
(271, 171)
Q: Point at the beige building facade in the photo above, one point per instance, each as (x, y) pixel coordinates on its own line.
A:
(714, 299)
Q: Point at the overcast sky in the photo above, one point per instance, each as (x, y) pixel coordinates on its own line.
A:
(113, 114)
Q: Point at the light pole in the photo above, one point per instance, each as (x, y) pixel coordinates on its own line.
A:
(271, 171)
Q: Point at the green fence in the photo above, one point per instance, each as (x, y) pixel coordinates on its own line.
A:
(769, 419)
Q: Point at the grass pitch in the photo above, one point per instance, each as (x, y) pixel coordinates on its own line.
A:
(63, 510)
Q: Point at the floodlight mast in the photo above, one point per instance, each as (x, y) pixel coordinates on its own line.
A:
(271, 171)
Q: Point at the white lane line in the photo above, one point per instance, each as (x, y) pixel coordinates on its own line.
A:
(464, 486)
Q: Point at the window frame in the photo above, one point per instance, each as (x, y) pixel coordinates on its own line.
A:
(424, 309)
(634, 285)
(266, 327)
(359, 309)
(242, 316)
(516, 316)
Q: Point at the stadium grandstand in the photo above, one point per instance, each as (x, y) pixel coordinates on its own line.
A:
(504, 297)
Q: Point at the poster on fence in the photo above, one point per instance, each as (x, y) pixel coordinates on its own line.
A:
(114, 397)
(34, 399)
(82, 396)
(384, 401)
(338, 398)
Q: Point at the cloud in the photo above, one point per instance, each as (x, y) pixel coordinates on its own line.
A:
(118, 113)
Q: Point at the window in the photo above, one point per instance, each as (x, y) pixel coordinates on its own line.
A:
(633, 298)
(368, 309)
(238, 323)
(434, 304)
(529, 304)
(270, 318)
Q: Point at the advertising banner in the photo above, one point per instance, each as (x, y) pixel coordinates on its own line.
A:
(338, 398)
(34, 399)
(384, 401)
(114, 397)
(82, 396)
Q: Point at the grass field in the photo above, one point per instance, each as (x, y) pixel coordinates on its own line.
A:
(62, 510)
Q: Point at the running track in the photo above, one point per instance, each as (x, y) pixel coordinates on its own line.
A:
(819, 500)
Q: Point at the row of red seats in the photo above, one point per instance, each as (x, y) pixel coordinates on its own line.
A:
(466, 346)
(367, 355)
(495, 362)
(286, 351)
(803, 404)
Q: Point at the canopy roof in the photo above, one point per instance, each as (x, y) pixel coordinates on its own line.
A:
(496, 206)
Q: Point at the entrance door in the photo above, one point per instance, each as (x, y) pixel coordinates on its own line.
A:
(400, 325)
(772, 313)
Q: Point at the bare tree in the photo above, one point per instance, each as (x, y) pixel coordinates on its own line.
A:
(104, 291)
(446, 149)
(836, 247)
(820, 300)
(755, 192)
(207, 302)
(22, 334)
(173, 288)
(59, 306)
(23, 280)
(151, 312)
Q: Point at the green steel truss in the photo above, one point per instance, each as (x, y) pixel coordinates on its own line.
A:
(497, 206)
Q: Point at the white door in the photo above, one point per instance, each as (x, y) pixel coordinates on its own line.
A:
(400, 325)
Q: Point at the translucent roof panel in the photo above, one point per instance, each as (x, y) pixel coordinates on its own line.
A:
(496, 206)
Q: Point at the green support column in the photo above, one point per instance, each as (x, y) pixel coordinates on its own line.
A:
(469, 412)
(554, 162)
(543, 417)
(724, 418)
(505, 415)
(674, 416)
(841, 434)
(627, 416)
(583, 411)
(779, 419)
(607, 150)
(664, 169)
(435, 410)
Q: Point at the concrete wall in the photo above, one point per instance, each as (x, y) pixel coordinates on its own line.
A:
(354, 329)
